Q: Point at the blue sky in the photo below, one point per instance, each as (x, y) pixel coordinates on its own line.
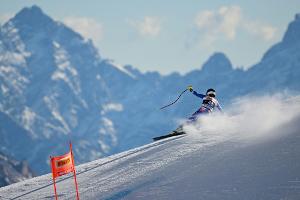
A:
(171, 35)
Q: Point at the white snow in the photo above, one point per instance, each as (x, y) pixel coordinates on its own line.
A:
(13, 78)
(28, 118)
(60, 75)
(18, 55)
(4, 89)
(182, 167)
(249, 118)
(65, 71)
(58, 116)
(108, 124)
(117, 107)
(107, 129)
(50, 128)
(98, 77)
(121, 68)
(7, 69)
(189, 167)
(145, 161)
(56, 44)
(13, 58)
(104, 147)
(53, 108)
(73, 117)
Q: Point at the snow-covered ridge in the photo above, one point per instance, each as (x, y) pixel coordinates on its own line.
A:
(13, 79)
(13, 55)
(65, 71)
(120, 67)
(28, 119)
(53, 107)
(17, 53)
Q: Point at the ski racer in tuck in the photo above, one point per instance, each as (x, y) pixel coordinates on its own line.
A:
(209, 103)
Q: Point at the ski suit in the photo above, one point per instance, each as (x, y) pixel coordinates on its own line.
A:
(208, 105)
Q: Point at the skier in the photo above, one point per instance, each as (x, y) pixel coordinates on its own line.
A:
(208, 104)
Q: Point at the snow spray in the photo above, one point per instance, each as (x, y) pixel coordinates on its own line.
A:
(250, 119)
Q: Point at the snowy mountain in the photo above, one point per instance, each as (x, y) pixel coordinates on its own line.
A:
(219, 163)
(279, 68)
(15, 142)
(56, 87)
(52, 86)
(13, 138)
(12, 171)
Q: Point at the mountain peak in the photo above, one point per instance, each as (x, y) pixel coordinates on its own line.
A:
(292, 34)
(30, 12)
(33, 16)
(218, 62)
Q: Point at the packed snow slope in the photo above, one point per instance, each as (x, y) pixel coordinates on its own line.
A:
(246, 154)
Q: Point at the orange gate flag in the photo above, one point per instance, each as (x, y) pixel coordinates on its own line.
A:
(62, 165)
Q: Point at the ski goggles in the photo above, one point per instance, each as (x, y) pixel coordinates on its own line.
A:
(211, 93)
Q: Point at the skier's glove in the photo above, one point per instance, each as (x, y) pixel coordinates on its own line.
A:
(190, 88)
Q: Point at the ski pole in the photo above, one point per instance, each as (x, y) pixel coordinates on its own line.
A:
(175, 100)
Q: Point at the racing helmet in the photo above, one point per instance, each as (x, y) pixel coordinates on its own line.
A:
(211, 92)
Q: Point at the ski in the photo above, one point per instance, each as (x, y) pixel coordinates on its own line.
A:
(168, 135)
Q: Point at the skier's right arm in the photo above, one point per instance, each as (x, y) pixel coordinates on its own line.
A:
(198, 95)
(190, 88)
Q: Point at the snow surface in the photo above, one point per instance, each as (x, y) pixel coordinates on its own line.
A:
(109, 130)
(28, 118)
(121, 68)
(13, 78)
(201, 165)
(65, 69)
(52, 105)
(19, 54)
(117, 107)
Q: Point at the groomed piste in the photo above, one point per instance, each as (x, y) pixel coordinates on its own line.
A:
(229, 161)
